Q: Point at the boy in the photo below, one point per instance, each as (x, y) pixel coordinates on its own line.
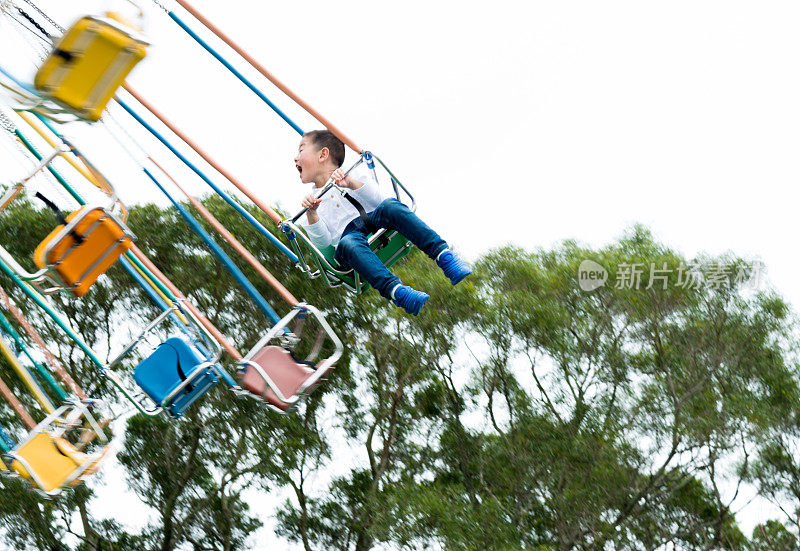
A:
(335, 220)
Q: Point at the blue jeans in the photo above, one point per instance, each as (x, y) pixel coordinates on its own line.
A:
(354, 252)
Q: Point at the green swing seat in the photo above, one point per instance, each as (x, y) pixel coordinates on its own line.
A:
(389, 247)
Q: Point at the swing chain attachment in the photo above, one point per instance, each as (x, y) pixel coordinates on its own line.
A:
(79, 409)
(289, 340)
(160, 5)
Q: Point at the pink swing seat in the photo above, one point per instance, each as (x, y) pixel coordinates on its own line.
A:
(288, 375)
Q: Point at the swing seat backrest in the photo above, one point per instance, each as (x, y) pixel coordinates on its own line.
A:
(88, 65)
(175, 375)
(78, 265)
(286, 373)
(90, 462)
(52, 463)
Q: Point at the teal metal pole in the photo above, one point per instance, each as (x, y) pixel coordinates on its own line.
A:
(40, 369)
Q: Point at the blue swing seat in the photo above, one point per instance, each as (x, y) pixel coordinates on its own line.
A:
(175, 375)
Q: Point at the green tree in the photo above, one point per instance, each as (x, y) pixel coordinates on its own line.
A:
(619, 417)
(516, 412)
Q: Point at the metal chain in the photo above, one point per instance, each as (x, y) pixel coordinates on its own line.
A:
(112, 121)
(44, 15)
(36, 24)
(7, 123)
(160, 5)
(33, 22)
(39, 45)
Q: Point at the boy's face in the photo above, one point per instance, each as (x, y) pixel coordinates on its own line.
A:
(309, 161)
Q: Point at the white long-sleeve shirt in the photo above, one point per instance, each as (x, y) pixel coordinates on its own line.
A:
(335, 211)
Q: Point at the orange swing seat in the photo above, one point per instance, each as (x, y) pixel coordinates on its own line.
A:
(78, 253)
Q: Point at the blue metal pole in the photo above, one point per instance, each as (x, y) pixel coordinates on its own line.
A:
(227, 198)
(219, 253)
(231, 68)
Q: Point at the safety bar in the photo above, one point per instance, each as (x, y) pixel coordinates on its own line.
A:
(70, 229)
(59, 151)
(17, 188)
(78, 409)
(365, 157)
(327, 187)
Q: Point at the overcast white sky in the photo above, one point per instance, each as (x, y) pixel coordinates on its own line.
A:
(512, 121)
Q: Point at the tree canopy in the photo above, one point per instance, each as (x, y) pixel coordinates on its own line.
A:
(518, 411)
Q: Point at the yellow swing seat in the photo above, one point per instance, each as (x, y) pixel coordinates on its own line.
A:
(88, 65)
(77, 265)
(53, 463)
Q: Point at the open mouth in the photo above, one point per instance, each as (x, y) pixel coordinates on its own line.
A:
(299, 169)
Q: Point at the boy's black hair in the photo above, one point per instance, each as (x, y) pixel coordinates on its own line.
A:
(326, 138)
